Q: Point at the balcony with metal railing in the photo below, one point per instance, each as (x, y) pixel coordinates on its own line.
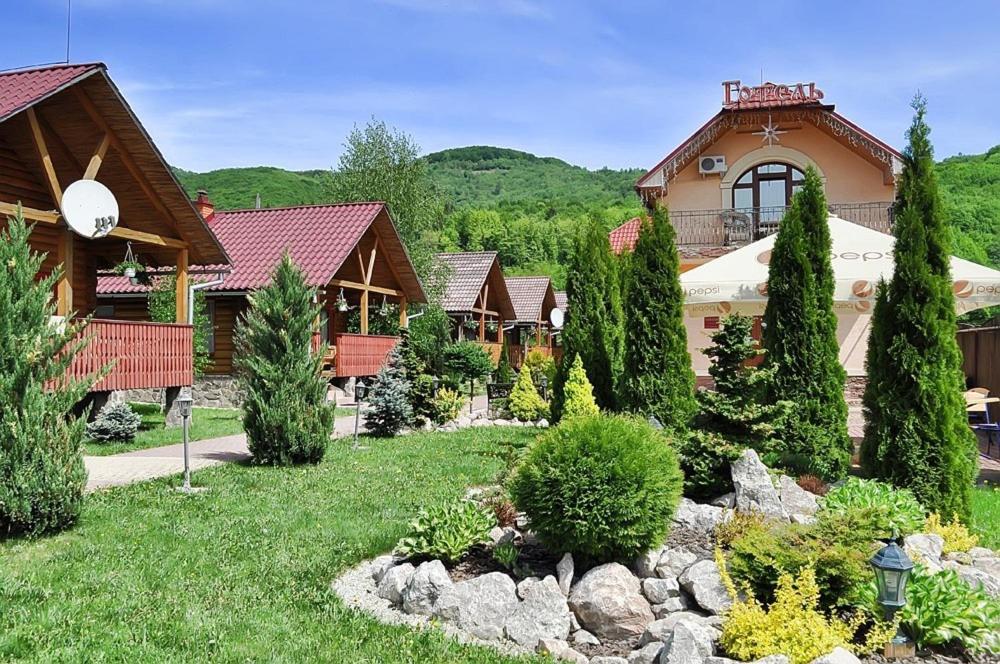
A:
(739, 226)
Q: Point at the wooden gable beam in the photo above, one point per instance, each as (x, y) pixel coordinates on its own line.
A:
(44, 216)
(97, 158)
(147, 238)
(43, 155)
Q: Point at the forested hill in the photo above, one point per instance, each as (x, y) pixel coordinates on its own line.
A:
(970, 187)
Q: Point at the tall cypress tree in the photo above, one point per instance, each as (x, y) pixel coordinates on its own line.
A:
(657, 378)
(916, 432)
(593, 328)
(800, 338)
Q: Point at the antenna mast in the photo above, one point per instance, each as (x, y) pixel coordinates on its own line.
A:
(69, 23)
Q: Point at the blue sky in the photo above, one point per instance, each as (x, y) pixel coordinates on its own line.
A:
(279, 82)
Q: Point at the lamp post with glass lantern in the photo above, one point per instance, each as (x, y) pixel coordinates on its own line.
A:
(892, 570)
(183, 403)
(359, 394)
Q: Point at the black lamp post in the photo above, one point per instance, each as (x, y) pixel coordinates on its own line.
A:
(360, 389)
(892, 570)
(544, 383)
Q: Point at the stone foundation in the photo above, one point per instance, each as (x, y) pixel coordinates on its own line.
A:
(208, 392)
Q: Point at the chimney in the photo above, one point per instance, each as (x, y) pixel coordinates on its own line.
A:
(204, 206)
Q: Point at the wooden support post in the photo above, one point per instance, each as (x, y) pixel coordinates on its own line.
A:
(404, 321)
(98, 158)
(364, 312)
(64, 287)
(182, 286)
(484, 298)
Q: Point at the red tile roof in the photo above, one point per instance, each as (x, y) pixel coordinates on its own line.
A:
(528, 296)
(24, 87)
(624, 237)
(319, 239)
(469, 270)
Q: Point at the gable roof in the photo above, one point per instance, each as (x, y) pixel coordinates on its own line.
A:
(319, 238)
(22, 88)
(562, 300)
(470, 270)
(530, 295)
(624, 237)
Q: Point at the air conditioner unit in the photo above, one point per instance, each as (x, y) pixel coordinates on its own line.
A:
(709, 164)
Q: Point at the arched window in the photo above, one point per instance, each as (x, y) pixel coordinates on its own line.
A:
(767, 186)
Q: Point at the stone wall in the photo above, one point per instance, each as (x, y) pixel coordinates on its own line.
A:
(208, 392)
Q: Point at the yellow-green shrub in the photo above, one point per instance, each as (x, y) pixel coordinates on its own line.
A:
(955, 535)
(524, 403)
(540, 365)
(579, 393)
(793, 625)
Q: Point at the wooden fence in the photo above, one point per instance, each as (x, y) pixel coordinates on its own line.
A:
(361, 354)
(981, 349)
(140, 355)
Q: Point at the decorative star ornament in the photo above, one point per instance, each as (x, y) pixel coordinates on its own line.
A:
(770, 132)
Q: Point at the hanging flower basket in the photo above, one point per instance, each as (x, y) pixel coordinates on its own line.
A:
(471, 324)
(492, 328)
(135, 271)
(341, 302)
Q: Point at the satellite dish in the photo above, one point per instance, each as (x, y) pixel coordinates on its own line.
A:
(556, 317)
(89, 208)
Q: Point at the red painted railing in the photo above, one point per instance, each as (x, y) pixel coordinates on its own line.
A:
(140, 355)
(361, 354)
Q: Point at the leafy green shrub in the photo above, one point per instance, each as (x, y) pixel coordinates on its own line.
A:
(389, 405)
(446, 531)
(421, 399)
(955, 535)
(705, 459)
(579, 394)
(285, 412)
(446, 405)
(41, 470)
(602, 487)
(736, 526)
(837, 547)
(506, 554)
(540, 366)
(116, 422)
(467, 361)
(525, 403)
(894, 511)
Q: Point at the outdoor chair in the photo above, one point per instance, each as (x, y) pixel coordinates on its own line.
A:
(496, 397)
(977, 405)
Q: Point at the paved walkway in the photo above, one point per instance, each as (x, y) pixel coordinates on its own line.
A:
(128, 467)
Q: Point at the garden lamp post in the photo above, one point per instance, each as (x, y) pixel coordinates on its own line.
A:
(892, 570)
(183, 403)
(544, 383)
(435, 382)
(359, 394)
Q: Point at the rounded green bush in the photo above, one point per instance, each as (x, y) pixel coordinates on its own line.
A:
(894, 512)
(600, 487)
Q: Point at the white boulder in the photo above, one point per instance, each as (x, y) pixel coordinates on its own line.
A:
(754, 490)
(703, 582)
(608, 603)
(394, 581)
(544, 614)
(424, 587)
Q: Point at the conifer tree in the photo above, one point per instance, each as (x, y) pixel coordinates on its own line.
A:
(525, 403)
(800, 336)
(390, 408)
(657, 378)
(285, 413)
(579, 400)
(916, 432)
(593, 328)
(504, 373)
(41, 469)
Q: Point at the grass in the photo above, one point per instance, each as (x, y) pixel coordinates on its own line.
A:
(986, 515)
(206, 423)
(241, 572)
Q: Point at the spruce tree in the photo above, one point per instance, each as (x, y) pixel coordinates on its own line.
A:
(916, 429)
(800, 338)
(41, 469)
(389, 405)
(285, 412)
(593, 328)
(657, 378)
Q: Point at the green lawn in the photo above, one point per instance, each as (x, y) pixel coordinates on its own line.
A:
(242, 572)
(986, 515)
(206, 423)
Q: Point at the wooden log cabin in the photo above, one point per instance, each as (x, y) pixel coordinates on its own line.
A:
(476, 299)
(63, 123)
(533, 299)
(350, 253)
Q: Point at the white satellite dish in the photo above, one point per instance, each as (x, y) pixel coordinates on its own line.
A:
(556, 317)
(89, 208)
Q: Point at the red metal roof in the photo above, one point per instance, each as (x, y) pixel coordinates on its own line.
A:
(24, 87)
(624, 237)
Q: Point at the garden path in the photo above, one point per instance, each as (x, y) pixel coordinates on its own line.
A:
(119, 469)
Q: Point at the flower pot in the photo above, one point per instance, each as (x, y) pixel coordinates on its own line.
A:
(130, 272)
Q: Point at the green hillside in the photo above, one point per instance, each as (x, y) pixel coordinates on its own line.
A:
(970, 187)
(235, 188)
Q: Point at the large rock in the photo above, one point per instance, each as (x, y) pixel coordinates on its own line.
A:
(608, 603)
(704, 584)
(647, 654)
(796, 501)
(543, 614)
(381, 565)
(673, 562)
(838, 656)
(393, 582)
(754, 490)
(658, 591)
(564, 570)
(425, 586)
(659, 630)
(988, 564)
(924, 548)
(688, 643)
(672, 605)
(560, 650)
(697, 517)
(582, 637)
(644, 566)
(978, 578)
(479, 606)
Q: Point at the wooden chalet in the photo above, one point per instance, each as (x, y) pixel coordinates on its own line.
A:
(476, 298)
(533, 299)
(351, 253)
(63, 123)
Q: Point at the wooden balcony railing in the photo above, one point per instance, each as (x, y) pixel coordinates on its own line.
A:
(141, 355)
(721, 228)
(361, 354)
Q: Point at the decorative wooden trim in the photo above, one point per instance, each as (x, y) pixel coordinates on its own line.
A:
(44, 216)
(344, 283)
(404, 321)
(371, 266)
(147, 238)
(43, 154)
(98, 158)
(181, 281)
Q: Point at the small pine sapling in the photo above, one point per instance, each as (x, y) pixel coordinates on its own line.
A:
(525, 403)
(389, 406)
(579, 399)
